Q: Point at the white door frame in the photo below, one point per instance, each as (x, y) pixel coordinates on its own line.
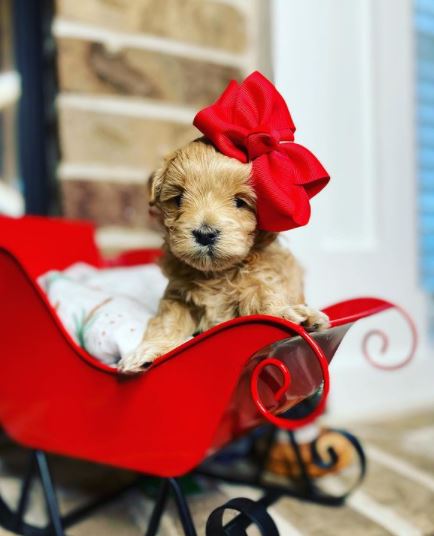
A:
(346, 70)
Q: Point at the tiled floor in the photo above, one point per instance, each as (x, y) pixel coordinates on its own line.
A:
(397, 496)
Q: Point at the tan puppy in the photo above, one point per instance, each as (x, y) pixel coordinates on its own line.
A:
(218, 263)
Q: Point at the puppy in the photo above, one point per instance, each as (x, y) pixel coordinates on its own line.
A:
(218, 263)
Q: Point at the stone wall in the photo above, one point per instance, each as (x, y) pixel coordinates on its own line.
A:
(132, 74)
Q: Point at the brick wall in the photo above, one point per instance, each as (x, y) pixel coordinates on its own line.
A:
(132, 74)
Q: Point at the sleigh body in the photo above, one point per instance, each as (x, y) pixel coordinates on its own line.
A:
(166, 421)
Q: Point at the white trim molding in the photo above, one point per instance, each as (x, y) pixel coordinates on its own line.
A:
(11, 201)
(67, 171)
(116, 41)
(10, 88)
(130, 106)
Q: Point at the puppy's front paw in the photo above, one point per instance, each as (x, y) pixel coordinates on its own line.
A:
(311, 319)
(145, 354)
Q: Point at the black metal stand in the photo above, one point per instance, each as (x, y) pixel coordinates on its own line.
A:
(38, 466)
(249, 512)
(303, 488)
(171, 485)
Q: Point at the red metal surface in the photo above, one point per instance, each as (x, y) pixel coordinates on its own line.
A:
(42, 244)
(385, 344)
(290, 424)
(134, 257)
(56, 397)
(350, 311)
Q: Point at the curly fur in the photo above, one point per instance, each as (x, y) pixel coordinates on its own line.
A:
(244, 272)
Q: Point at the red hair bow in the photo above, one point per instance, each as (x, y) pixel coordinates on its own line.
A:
(251, 122)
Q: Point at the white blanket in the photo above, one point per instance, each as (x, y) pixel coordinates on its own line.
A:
(106, 311)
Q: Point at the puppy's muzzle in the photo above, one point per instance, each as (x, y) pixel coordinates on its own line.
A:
(206, 236)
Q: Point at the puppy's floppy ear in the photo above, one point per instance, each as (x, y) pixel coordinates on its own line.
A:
(155, 213)
(157, 178)
(154, 185)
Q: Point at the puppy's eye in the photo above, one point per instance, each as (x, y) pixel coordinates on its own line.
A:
(177, 200)
(240, 203)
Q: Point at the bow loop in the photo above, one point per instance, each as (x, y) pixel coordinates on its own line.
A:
(249, 122)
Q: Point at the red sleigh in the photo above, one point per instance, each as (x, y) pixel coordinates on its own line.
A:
(166, 422)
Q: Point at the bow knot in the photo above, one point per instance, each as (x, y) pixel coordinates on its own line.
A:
(259, 142)
(249, 122)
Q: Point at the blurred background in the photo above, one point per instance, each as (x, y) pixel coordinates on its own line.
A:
(93, 94)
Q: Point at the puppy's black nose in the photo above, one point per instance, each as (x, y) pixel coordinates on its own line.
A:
(206, 236)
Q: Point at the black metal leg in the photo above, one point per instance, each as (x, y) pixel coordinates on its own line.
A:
(49, 492)
(305, 487)
(183, 509)
(306, 481)
(160, 505)
(262, 461)
(24, 497)
(14, 520)
(250, 512)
